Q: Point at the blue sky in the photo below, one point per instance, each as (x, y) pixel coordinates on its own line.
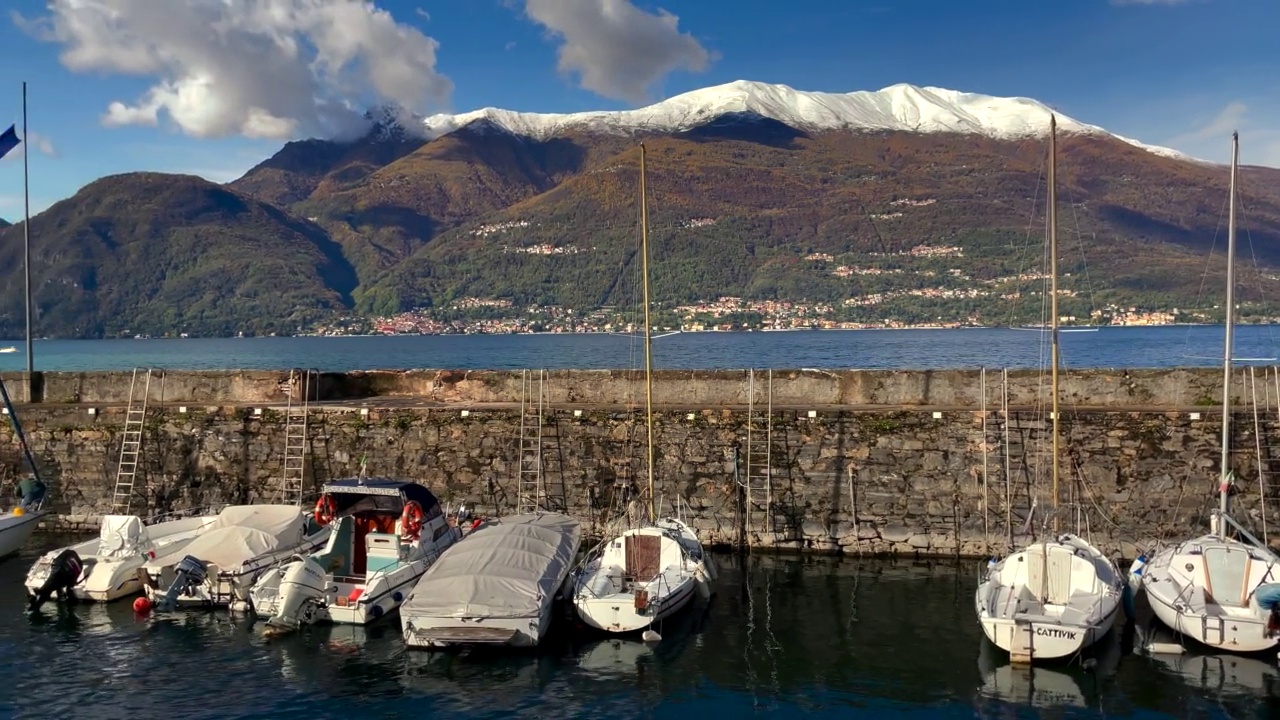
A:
(1178, 73)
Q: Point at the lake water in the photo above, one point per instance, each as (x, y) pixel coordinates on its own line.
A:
(785, 637)
(1122, 347)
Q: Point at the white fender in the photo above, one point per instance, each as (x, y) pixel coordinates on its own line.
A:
(703, 580)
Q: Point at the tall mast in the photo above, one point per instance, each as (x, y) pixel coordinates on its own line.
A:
(26, 242)
(648, 360)
(1225, 483)
(1053, 299)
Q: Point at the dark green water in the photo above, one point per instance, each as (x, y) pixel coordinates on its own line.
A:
(785, 637)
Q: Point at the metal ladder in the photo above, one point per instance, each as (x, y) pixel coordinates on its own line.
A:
(759, 475)
(131, 441)
(295, 437)
(532, 490)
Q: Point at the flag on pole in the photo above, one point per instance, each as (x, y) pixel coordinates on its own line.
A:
(8, 140)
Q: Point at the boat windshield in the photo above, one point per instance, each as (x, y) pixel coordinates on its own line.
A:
(369, 504)
(1226, 570)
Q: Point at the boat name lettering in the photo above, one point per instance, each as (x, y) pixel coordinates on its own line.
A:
(1055, 633)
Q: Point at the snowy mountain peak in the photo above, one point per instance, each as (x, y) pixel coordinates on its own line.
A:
(901, 107)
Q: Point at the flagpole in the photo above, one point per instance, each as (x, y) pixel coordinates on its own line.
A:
(26, 241)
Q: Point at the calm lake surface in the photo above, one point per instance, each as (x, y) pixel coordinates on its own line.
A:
(785, 637)
(1119, 347)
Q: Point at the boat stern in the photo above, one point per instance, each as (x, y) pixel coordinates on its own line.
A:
(1027, 641)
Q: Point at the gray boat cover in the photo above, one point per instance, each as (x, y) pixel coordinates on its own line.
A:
(507, 568)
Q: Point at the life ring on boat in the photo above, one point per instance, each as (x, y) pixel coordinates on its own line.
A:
(411, 520)
(326, 509)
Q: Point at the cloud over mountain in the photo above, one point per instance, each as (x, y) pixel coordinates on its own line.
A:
(615, 49)
(277, 69)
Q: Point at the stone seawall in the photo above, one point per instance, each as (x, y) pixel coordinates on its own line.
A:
(895, 476)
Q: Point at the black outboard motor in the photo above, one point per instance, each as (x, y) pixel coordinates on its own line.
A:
(64, 573)
(190, 572)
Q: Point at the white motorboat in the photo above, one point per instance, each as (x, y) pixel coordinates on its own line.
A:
(649, 573)
(496, 587)
(16, 526)
(8, 349)
(112, 560)
(217, 568)
(1204, 587)
(386, 533)
(642, 577)
(1057, 597)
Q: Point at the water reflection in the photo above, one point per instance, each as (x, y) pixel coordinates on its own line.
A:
(1077, 685)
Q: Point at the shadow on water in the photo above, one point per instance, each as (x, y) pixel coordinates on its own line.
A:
(784, 637)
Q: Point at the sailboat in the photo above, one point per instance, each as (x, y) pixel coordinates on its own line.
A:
(1056, 597)
(1204, 588)
(648, 573)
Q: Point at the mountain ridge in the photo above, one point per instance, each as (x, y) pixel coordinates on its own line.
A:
(901, 107)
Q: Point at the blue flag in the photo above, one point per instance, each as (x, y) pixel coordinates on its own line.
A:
(8, 140)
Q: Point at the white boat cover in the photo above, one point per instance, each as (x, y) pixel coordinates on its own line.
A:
(121, 536)
(506, 569)
(272, 519)
(241, 533)
(224, 547)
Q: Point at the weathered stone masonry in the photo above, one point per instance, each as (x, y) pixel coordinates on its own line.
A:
(869, 462)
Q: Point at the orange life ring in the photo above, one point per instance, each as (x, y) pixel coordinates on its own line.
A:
(326, 509)
(411, 520)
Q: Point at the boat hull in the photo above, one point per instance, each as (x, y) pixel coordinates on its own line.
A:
(110, 577)
(1177, 597)
(1028, 640)
(1049, 601)
(15, 530)
(618, 613)
(382, 595)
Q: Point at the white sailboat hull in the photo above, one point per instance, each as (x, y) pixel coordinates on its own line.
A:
(1185, 600)
(1050, 600)
(641, 578)
(15, 530)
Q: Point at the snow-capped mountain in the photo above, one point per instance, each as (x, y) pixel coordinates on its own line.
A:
(901, 107)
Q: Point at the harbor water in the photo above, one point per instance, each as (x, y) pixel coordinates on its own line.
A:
(785, 637)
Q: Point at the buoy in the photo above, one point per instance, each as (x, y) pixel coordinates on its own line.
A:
(651, 636)
(18, 511)
(142, 605)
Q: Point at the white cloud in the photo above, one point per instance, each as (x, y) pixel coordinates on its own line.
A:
(40, 142)
(1211, 138)
(616, 49)
(257, 68)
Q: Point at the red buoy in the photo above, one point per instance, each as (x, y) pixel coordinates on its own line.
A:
(142, 605)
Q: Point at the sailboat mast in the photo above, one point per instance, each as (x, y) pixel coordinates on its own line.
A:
(1053, 300)
(26, 243)
(1225, 483)
(648, 359)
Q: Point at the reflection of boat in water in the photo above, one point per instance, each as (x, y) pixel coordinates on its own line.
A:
(613, 655)
(1223, 673)
(1226, 674)
(1052, 686)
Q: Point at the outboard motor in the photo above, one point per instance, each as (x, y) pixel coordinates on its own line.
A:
(302, 589)
(64, 573)
(190, 572)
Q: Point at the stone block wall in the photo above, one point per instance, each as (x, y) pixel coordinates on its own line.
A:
(853, 480)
